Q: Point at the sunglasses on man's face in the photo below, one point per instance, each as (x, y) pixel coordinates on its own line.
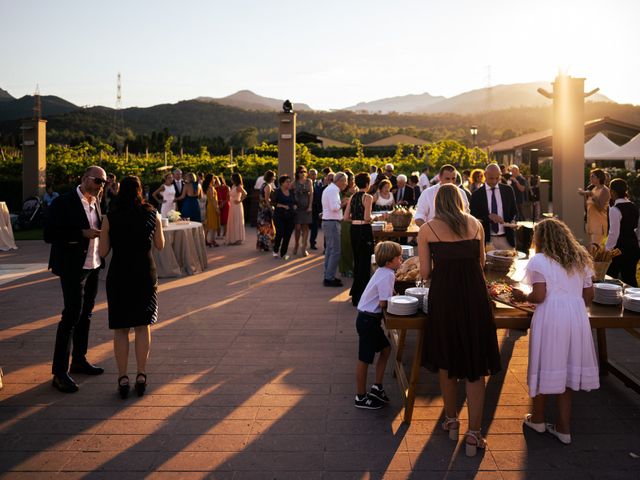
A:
(98, 180)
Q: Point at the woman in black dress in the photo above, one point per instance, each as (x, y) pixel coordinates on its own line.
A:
(284, 217)
(358, 212)
(131, 228)
(460, 336)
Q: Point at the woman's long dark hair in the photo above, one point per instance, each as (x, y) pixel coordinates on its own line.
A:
(236, 179)
(129, 196)
(208, 180)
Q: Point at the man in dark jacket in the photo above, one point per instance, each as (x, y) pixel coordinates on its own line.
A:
(72, 228)
(404, 194)
(494, 204)
(623, 220)
(316, 207)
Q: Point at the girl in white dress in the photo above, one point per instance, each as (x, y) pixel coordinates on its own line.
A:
(562, 356)
(165, 195)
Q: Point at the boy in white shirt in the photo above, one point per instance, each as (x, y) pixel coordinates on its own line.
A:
(368, 324)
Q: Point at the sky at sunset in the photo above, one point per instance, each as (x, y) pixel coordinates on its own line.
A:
(329, 54)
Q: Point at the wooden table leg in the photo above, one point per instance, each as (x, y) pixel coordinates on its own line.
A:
(413, 380)
(401, 338)
(603, 358)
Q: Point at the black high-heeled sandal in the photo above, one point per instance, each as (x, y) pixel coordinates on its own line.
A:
(141, 386)
(123, 388)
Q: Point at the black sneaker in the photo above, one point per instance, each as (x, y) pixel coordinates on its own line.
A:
(378, 393)
(368, 403)
(336, 282)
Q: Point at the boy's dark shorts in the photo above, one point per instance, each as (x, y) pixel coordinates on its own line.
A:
(372, 337)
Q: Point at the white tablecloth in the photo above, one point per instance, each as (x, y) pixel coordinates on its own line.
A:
(7, 241)
(184, 252)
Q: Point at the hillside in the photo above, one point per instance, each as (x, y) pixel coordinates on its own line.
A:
(401, 104)
(499, 97)
(4, 96)
(19, 108)
(247, 100)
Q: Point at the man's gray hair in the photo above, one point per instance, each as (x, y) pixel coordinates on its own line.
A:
(177, 170)
(339, 176)
(493, 166)
(402, 178)
(389, 166)
(313, 170)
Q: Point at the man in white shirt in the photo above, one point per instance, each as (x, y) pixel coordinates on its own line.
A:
(423, 180)
(331, 226)
(259, 183)
(373, 174)
(72, 228)
(425, 209)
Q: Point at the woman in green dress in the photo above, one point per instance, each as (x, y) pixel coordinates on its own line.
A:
(346, 253)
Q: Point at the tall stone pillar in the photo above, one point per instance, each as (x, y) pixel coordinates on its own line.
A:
(568, 152)
(34, 157)
(287, 143)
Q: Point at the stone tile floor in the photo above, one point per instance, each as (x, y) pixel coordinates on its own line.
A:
(252, 377)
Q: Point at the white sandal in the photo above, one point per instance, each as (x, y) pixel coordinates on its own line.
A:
(451, 425)
(471, 449)
(563, 437)
(537, 427)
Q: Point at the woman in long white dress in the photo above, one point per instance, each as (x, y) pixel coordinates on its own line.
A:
(235, 224)
(562, 355)
(165, 195)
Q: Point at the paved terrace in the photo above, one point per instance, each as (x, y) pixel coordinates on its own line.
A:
(252, 377)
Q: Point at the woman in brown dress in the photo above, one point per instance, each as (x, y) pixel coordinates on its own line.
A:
(460, 337)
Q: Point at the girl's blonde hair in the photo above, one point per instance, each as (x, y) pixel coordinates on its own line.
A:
(553, 238)
(450, 210)
(386, 252)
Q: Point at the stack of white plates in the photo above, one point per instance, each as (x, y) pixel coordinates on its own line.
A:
(402, 305)
(378, 226)
(418, 292)
(632, 291)
(607, 294)
(407, 251)
(425, 303)
(631, 302)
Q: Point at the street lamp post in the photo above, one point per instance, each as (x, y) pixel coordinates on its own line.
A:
(474, 134)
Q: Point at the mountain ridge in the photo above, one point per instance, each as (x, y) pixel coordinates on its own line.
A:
(4, 95)
(498, 97)
(399, 104)
(495, 98)
(248, 100)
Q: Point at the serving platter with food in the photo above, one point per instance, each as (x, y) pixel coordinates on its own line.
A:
(503, 292)
(507, 255)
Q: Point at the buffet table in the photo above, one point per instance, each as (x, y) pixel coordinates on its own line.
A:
(7, 241)
(412, 231)
(184, 252)
(601, 317)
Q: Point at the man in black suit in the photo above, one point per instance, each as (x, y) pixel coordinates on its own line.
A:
(404, 194)
(178, 183)
(72, 228)
(316, 208)
(494, 204)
